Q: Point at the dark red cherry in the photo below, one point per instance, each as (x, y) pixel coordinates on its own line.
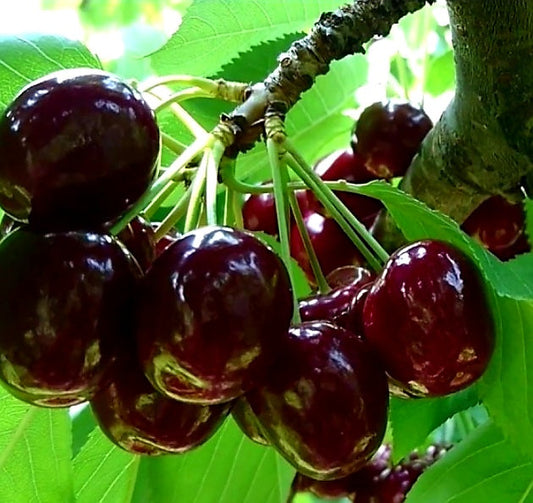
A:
(259, 211)
(65, 306)
(324, 403)
(77, 148)
(348, 165)
(428, 317)
(388, 135)
(349, 274)
(332, 247)
(337, 304)
(165, 241)
(214, 307)
(498, 224)
(138, 237)
(247, 421)
(141, 420)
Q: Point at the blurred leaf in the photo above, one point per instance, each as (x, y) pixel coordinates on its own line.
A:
(214, 31)
(413, 420)
(483, 468)
(101, 14)
(229, 468)
(104, 473)
(441, 74)
(26, 57)
(34, 453)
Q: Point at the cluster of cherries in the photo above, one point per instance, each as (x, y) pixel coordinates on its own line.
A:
(166, 339)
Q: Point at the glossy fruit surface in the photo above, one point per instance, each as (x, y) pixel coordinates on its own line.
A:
(247, 421)
(347, 165)
(324, 403)
(141, 420)
(428, 317)
(138, 238)
(499, 225)
(215, 305)
(332, 247)
(337, 304)
(65, 305)
(388, 135)
(77, 148)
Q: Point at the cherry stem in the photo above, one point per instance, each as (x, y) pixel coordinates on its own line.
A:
(160, 183)
(174, 216)
(365, 242)
(160, 198)
(197, 193)
(280, 177)
(213, 157)
(172, 144)
(322, 284)
(178, 97)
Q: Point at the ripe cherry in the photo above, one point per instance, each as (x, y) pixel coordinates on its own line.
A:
(499, 224)
(77, 148)
(428, 317)
(214, 307)
(247, 421)
(65, 306)
(138, 237)
(141, 420)
(331, 245)
(388, 135)
(324, 403)
(349, 166)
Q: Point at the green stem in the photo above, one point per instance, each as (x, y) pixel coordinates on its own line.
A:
(321, 282)
(279, 177)
(213, 158)
(174, 216)
(172, 144)
(160, 183)
(178, 97)
(201, 82)
(159, 199)
(341, 217)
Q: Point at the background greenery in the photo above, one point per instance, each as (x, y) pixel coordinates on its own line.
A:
(51, 456)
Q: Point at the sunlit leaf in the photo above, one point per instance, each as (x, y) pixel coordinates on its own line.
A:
(34, 453)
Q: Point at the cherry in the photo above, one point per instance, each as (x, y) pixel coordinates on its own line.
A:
(498, 224)
(214, 307)
(259, 211)
(138, 237)
(77, 148)
(247, 421)
(428, 317)
(347, 165)
(388, 135)
(65, 305)
(349, 274)
(165, 241)
(324, 403)
(332, 247)
(140, 420)
(337, 304)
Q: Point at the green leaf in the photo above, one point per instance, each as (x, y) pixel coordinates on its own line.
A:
(103, 472)
(417, 221)
(413, 420)
(507, 387)
(483, 468)
(26, 57)
(441, 74)
(214, 31)
(317, 124)
(34, 453)
(229, 468)
(83, 423)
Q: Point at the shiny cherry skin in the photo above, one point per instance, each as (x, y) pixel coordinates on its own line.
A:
(428, 317)
(347, 165)
(348, 274)
(499, 226)
(65, 307)
(247, 421)
(332, 247)
(259, 211)
(138, 237)
(324, 403)
(337, 304)
(140, 420)
(77, 148)
(388, 135)
(214, 307)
